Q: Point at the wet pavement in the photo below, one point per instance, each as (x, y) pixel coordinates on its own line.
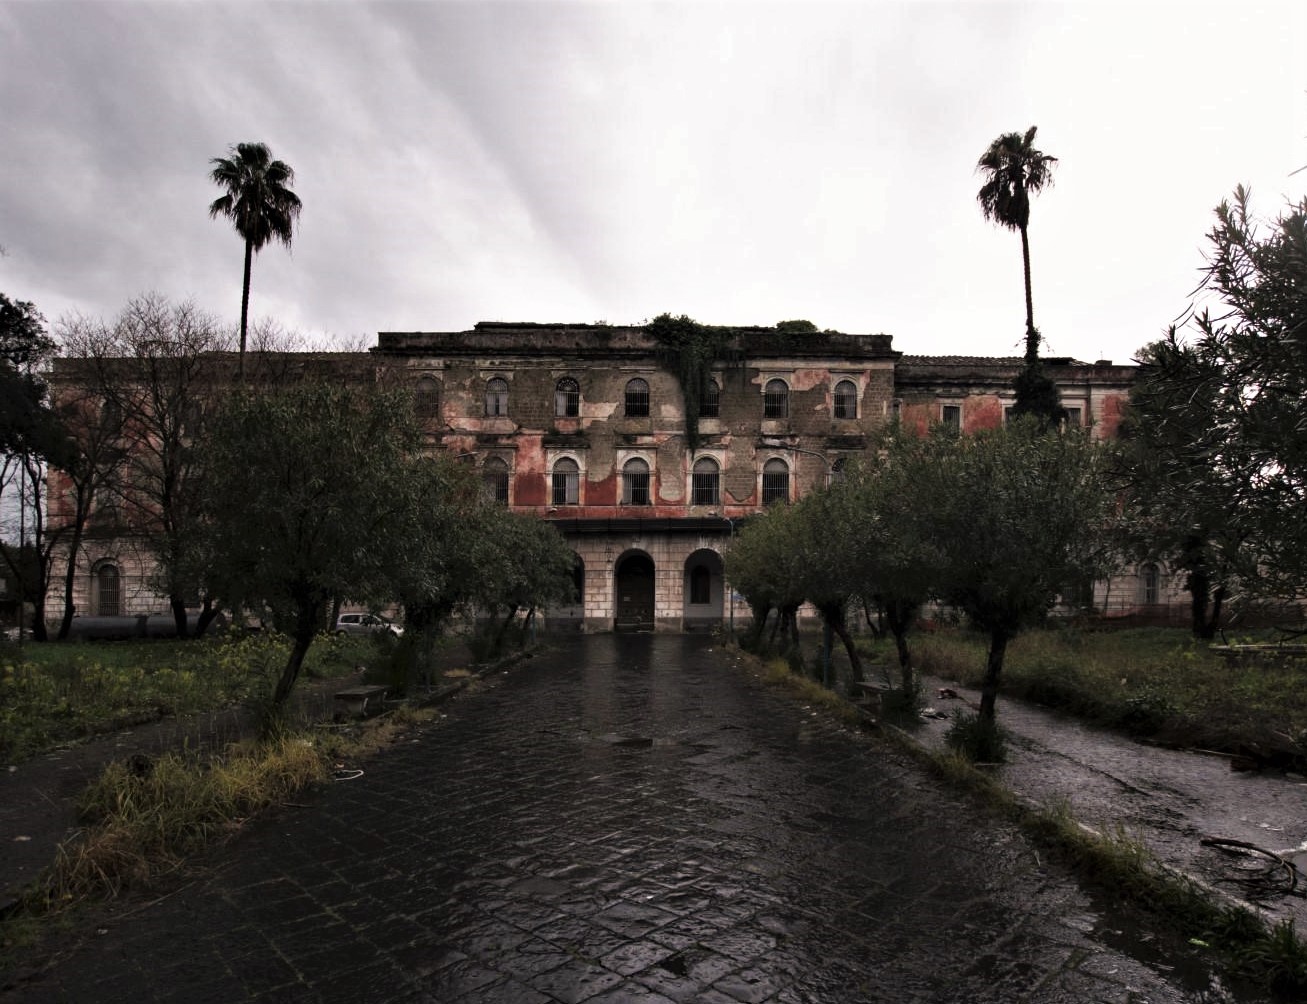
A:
(1170, 800)
(625, 819)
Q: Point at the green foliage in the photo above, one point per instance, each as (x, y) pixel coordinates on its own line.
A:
(27, 424)
(796, 327)
(979, 739)
(688, 350)
(1147, 681)
(54, 693)
(1232, 404)
(309, 497)
(1037, 395)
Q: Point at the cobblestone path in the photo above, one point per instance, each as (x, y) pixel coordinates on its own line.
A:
(625, 819)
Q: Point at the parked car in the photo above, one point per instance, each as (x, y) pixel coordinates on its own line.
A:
(366, 624)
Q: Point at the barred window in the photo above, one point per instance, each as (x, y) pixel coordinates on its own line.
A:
(776, 400)
(705, 482)
(1073, 418)
(495, 476)
(837, 471)
(951, 416)
(1150, 586)
(108, 595)
(496, 396)
(566, 482)
(710, 403)
(846, 399)
(426, 398)
(635, 482)
(567, 398)
(775, 482)
(637, 398)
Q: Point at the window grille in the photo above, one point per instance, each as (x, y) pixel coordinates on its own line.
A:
(567, 398)
(637, 398)
(635, 483)
(495, 474)
(846, 399)
(711, 402)
(1151, 585)
(837, 471)
(705, 482)
(700, 585)
(951, 416)
(776, 400)
(1073, 416)
(775, 482)
(108, 596)
(566, 482)
(496, 396)
(426, 398)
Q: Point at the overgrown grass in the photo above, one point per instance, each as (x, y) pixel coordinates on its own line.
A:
(143, 817)
(56, 692)
(778, 673)
(1154, 682)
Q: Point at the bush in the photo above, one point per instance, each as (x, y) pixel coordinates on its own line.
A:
(978, 740)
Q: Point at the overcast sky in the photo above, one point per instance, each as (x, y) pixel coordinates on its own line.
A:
(743, 163)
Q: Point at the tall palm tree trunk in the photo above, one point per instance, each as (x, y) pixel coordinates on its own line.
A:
(245, 304)
(1032, 336)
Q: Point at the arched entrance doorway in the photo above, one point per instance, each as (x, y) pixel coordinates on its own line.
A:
(702, 591)
(633, 582)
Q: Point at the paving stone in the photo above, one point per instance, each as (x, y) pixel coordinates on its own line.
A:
(750, 852)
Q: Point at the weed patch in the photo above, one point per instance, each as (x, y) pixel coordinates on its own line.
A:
(57, 692)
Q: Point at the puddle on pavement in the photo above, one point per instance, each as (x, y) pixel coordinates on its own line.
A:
(1180, 963)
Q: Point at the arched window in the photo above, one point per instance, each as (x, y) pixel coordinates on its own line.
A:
(637, 398)
(710, 404)
(495, 476)
(426, 398)
(1150, 581)
(846, 399)
(700, 585)
(496, 396)
(566, 482)
(705, 482)
(635, 482)
(108, 596)
(776, 400)
(775, 481)
(567, 398)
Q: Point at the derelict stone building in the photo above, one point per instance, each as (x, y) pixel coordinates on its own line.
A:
(586, 426)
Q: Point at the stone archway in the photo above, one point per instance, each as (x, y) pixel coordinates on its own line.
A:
(633, 587)
(702, 591)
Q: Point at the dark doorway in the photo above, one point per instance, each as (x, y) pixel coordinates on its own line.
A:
(634, 583)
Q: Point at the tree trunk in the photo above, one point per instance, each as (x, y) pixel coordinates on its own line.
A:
(245, 309)
(900, 617)
(993, 668)
(207, 613)
(306, 622)
(1032, 336)
(70, 578)
(855, 660)
(178, 604)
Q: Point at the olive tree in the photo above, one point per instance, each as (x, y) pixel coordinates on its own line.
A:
(1020, 515)
(308, 495)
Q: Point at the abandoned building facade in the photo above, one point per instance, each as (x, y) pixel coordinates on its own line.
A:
(586, 426)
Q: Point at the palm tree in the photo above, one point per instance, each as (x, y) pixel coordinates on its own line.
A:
(1014, 170)
(259, 205)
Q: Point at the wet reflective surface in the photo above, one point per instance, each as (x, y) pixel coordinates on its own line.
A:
(625, 819)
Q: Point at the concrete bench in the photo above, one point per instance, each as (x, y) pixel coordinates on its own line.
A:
(359, 702)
